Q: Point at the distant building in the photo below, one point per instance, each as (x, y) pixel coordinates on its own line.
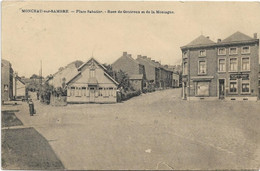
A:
(92, 84)
(156, 74)
(65, 74)
(6, 80)
(227, 69)
(132, 68)
(19, 88)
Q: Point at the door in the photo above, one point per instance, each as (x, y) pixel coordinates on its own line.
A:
(221, 89)
(92, 94)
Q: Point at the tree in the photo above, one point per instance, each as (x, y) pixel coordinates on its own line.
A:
(109, 70)
(123, 79)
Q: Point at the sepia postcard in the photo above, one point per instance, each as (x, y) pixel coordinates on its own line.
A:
(130, 85)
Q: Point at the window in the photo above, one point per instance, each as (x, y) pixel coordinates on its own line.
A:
(202, 89)
(202, 67)
(221, 65)
(111, 91)
(245, 50)
(233, 87)
(232, 50)
(100, 91)
(185, 54)
(72, 91)
(245, 64)
(233, 64)
(83, 91)
(78, 91)
(221, 51)
(185, 68)
(245, 86)
(202, 53)
(92, 73)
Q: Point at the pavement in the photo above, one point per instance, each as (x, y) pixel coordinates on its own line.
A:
(153, 131)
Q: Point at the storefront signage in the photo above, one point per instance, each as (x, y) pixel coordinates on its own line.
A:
(237, 76)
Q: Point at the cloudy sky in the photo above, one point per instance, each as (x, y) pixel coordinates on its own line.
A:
(58, 39)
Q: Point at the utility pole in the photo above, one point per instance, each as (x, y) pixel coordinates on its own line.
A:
(41, 77)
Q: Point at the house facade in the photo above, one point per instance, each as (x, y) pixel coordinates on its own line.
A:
(62, 76)
(92, 84)
(227, 69)
(132, 68)
(19, 88)
(6, 80)
(158, 75)
(175, 80)
(151, 70)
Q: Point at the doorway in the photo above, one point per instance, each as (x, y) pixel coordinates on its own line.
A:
(92, 94)
(221, 88)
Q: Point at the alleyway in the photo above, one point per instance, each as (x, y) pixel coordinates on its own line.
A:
(152, 131)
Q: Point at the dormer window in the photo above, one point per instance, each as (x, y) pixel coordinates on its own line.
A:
(232, 50)
(202, 53)
(245, 50)
(221, 51)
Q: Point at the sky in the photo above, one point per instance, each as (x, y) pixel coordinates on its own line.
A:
(58, 39)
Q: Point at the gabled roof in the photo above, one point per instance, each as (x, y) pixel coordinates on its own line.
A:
(201, 40)
(19, 79)
(84, 64)
(99, 64)
(236, 37)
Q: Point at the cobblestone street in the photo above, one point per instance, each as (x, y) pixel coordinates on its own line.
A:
(152, 131)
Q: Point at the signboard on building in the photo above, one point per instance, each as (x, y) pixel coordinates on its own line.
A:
(237, 76)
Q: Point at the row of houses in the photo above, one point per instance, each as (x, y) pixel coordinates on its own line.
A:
(12, 86)
(226, 69)
(144, 72)
(91, 82)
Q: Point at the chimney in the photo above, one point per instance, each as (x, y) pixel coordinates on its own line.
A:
(129, 55)
(144, 57)
(139, 56)
(219, 40)
(255, 35)
(124, 53)
(207, 37)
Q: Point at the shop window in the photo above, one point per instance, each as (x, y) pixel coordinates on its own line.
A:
(245, 86)
(202, 67)
(245, 50)
(233, 64)
(232, 50)
(233, 87)
(221, 51)
(202, 89)
(221, 65)
(245, 64)
(202, 53)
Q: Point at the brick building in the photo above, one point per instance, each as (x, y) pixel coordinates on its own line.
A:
(132, 68)
(227, 69)
(158, 75)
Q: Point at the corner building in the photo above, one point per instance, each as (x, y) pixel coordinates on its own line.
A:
(227, 69)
